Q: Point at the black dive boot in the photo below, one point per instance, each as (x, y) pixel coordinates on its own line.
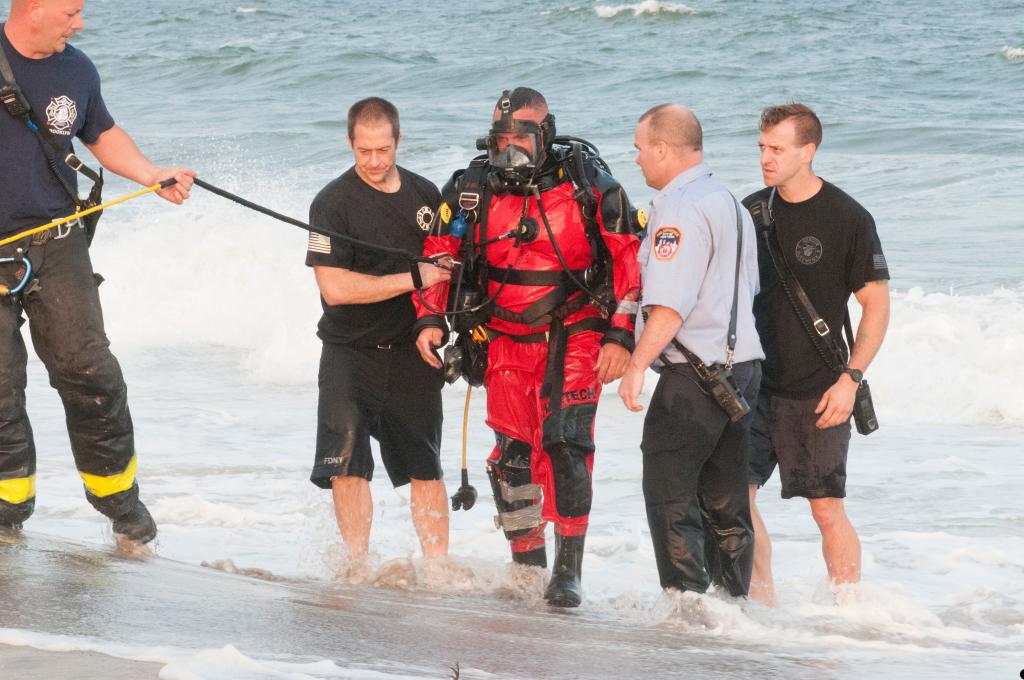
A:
(136, 525)
(564, 589)
(532, 558)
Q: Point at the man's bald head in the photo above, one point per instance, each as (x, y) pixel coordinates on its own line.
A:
(38, 28)
(674, 125)
(668, 142)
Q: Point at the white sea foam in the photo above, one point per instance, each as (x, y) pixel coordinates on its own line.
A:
(1013, 54)
(247, 10)
(952, 359)
(645, 7)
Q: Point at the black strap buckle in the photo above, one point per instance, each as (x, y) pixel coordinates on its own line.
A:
(74, 162)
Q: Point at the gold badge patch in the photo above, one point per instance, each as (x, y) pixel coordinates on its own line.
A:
(666, 242)
(446, 213)
(641, 218)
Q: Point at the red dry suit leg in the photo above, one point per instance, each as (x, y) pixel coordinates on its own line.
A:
(516, 411)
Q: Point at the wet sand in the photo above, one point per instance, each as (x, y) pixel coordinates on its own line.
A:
(32, 664)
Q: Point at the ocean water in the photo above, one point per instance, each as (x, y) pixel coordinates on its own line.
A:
(212, 312)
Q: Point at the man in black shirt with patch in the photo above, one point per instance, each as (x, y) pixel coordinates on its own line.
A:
(802, 421)
(372, 381)
(61, 299)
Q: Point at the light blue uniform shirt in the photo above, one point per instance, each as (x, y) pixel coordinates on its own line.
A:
(688, 263)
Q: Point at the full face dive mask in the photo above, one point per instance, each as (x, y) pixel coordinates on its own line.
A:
(518, 161)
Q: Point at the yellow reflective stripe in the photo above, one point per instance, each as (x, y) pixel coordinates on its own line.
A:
(15, 491)
(108, 486)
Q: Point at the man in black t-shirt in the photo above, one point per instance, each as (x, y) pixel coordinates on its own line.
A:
(372, 381)
(61, 300)
(802, 420)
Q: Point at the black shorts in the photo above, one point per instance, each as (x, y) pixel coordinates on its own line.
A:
(812, 462)
(391, 395)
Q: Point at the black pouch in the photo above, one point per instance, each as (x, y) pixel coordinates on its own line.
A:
(466, 359)
(721, 385)
(864, 410)
(89, 222)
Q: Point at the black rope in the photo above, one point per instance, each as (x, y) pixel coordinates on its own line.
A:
(318, 230)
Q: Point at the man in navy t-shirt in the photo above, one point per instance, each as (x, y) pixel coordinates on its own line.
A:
(61, 302)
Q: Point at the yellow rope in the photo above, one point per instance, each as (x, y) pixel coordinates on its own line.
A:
(465, 424)
(83, 213)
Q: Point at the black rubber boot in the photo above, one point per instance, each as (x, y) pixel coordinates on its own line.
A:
(564, 589)
(532, 558)
(137, 525)
(13, 516)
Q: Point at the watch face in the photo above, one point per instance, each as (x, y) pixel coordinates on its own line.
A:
(855, 374)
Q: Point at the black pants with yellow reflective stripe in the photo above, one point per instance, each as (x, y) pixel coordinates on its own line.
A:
(66, 324)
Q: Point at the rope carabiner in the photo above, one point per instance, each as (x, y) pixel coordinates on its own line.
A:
(7, 291)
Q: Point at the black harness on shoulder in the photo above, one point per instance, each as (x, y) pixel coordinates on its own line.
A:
(18, 106)
(575, 162)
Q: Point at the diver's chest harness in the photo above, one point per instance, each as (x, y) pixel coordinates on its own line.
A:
(477, 185)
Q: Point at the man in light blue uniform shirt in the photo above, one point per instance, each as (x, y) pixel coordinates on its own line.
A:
(694, 456)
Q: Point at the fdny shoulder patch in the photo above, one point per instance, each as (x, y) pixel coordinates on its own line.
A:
(318, 243)
(666, 242)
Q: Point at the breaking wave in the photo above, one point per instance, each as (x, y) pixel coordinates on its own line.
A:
(645, 7)
(1013, 54)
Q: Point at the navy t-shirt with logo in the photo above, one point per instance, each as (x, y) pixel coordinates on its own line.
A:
(64, 91)
(831, 244)
(350, 206)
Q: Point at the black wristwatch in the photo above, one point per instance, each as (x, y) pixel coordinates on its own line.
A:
(854, 374)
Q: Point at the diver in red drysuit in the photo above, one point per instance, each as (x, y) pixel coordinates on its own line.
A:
(558, 296)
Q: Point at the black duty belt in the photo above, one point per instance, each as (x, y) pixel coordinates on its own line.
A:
(55, 233)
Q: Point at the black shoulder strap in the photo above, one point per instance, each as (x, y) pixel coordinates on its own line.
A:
(17, 105)
(474, 200)
(730, 341)
(822, 337)
(579, 167)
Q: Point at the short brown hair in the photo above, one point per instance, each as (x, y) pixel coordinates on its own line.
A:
(808, 127)
(675, 125)
(372, 110)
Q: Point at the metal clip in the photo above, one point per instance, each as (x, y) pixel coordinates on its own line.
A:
(62, 230)
(469, 200)
(821, 327)
(73, 162)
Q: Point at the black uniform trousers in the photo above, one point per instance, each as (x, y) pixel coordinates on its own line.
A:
(695, 477)
(66, 325)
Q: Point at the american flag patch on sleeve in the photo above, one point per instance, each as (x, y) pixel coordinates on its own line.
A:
(318, 243)
(879, 261)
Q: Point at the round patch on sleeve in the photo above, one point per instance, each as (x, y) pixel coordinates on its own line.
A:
(666, 242)
(424, 216)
